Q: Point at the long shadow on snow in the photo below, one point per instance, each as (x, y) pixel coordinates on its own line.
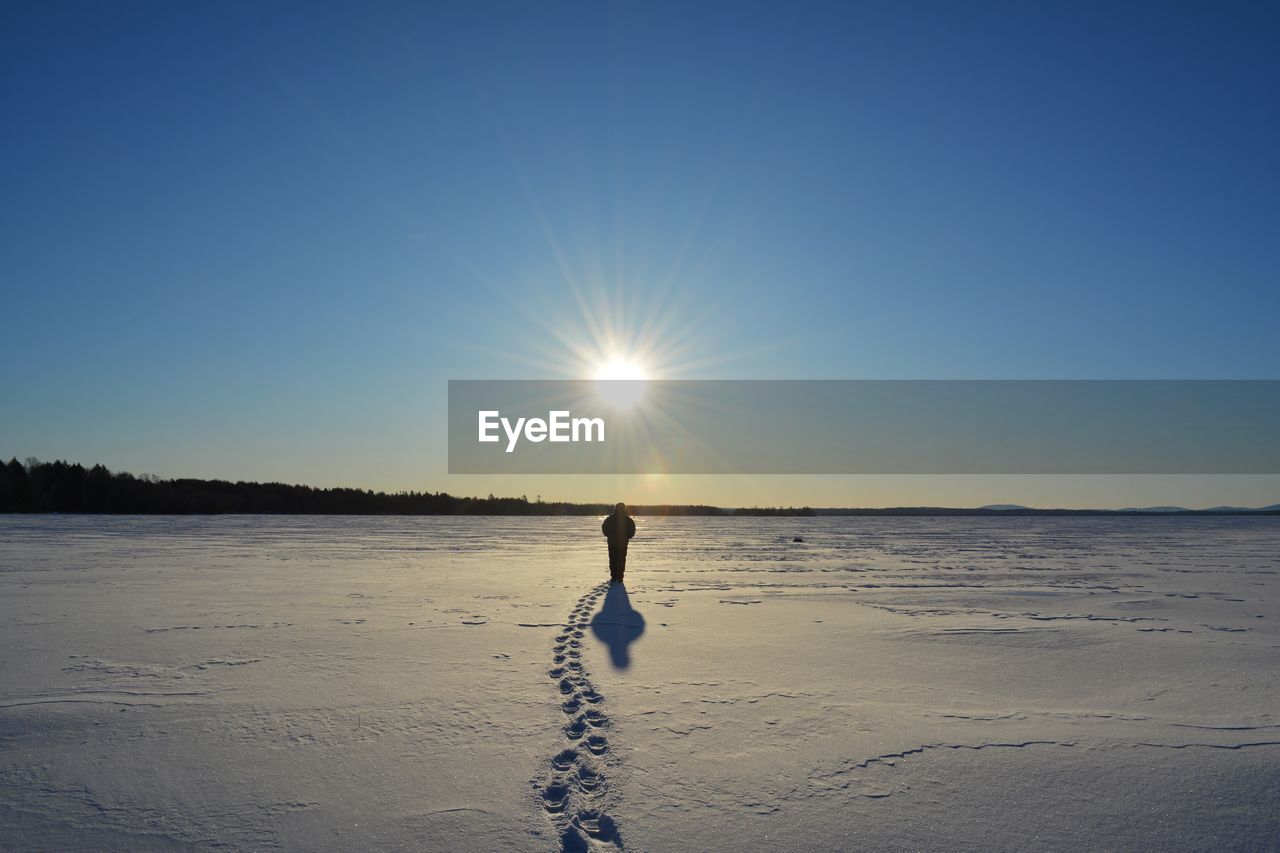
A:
(618, 625)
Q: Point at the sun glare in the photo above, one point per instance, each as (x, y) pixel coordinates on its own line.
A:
(620, 382)
(620, 368)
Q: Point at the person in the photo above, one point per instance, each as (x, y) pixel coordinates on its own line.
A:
(618, 529)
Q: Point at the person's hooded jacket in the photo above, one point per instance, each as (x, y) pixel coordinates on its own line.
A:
(619, 529)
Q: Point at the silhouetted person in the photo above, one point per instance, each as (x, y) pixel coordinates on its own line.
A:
(618, 529)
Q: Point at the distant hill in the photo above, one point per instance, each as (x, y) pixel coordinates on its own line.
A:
(1223, 509)
(1019, 509)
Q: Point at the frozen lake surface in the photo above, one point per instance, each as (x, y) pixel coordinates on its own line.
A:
(310, 683)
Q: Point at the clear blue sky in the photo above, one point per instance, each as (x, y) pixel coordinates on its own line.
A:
(254, 241)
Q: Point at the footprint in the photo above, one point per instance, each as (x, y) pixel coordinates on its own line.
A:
(571, 841)
(587, 780)
(555, 798)
(564, 759)
(597, 825)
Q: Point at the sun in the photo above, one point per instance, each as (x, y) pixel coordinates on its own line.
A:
(620, 382)
(621, 368)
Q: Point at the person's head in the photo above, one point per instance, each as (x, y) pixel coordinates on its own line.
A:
(620, 509)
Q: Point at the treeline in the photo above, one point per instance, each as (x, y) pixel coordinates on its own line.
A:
(65, 487)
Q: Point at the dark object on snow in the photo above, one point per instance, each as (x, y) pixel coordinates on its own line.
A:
(618, 529)
(797, 539)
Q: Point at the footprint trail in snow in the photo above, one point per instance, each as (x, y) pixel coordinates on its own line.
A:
(576, 797)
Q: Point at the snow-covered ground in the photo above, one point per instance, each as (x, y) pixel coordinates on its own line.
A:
(466, 684)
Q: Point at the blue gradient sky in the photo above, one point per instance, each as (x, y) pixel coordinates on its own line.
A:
(255, 243)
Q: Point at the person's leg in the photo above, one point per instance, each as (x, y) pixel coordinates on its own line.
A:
(622, 562)
(613, 562)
